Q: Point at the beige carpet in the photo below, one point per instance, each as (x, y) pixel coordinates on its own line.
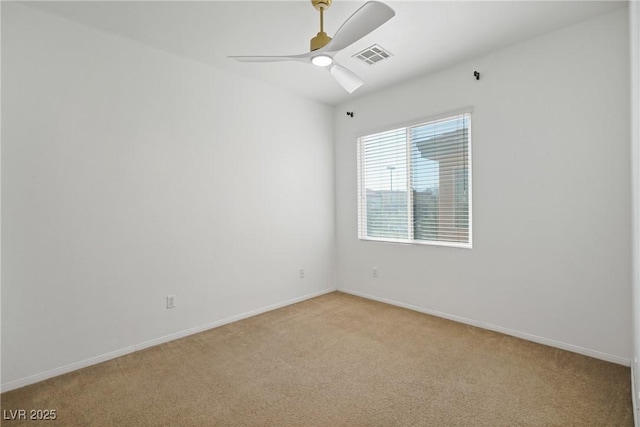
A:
(338, 360)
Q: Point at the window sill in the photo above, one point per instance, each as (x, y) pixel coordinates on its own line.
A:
(419, 243)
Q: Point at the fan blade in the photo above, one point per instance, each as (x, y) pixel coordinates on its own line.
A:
(305, 57)
(347, 79)
(364, 20)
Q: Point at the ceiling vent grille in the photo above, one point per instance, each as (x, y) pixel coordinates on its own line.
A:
(373, 54)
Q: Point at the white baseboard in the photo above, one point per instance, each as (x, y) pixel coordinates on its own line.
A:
(112, 355)
(529, 337)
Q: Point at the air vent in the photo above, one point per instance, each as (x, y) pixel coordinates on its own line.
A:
(373, 54)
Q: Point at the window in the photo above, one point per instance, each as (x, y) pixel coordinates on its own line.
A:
(414, 183)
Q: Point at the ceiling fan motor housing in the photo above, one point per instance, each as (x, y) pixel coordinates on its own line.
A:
(320, 40)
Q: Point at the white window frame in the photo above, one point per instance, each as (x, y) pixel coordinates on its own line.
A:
(362, 196)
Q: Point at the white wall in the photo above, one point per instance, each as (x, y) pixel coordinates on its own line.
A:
(634, 23)
(551, 183)
(129, 174)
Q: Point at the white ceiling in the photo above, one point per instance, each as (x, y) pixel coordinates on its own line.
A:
(424, 36)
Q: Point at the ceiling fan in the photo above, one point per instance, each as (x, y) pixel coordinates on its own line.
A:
(323, 48)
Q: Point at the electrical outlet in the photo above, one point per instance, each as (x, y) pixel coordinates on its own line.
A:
(375, 272)
(171, 301)
(302, 273)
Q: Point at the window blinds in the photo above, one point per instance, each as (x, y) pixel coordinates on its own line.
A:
(414, 183)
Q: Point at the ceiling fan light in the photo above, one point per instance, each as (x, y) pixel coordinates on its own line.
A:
(322, 60)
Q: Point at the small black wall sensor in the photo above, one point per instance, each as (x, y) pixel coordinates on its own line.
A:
(477, 75)
(350, 113)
